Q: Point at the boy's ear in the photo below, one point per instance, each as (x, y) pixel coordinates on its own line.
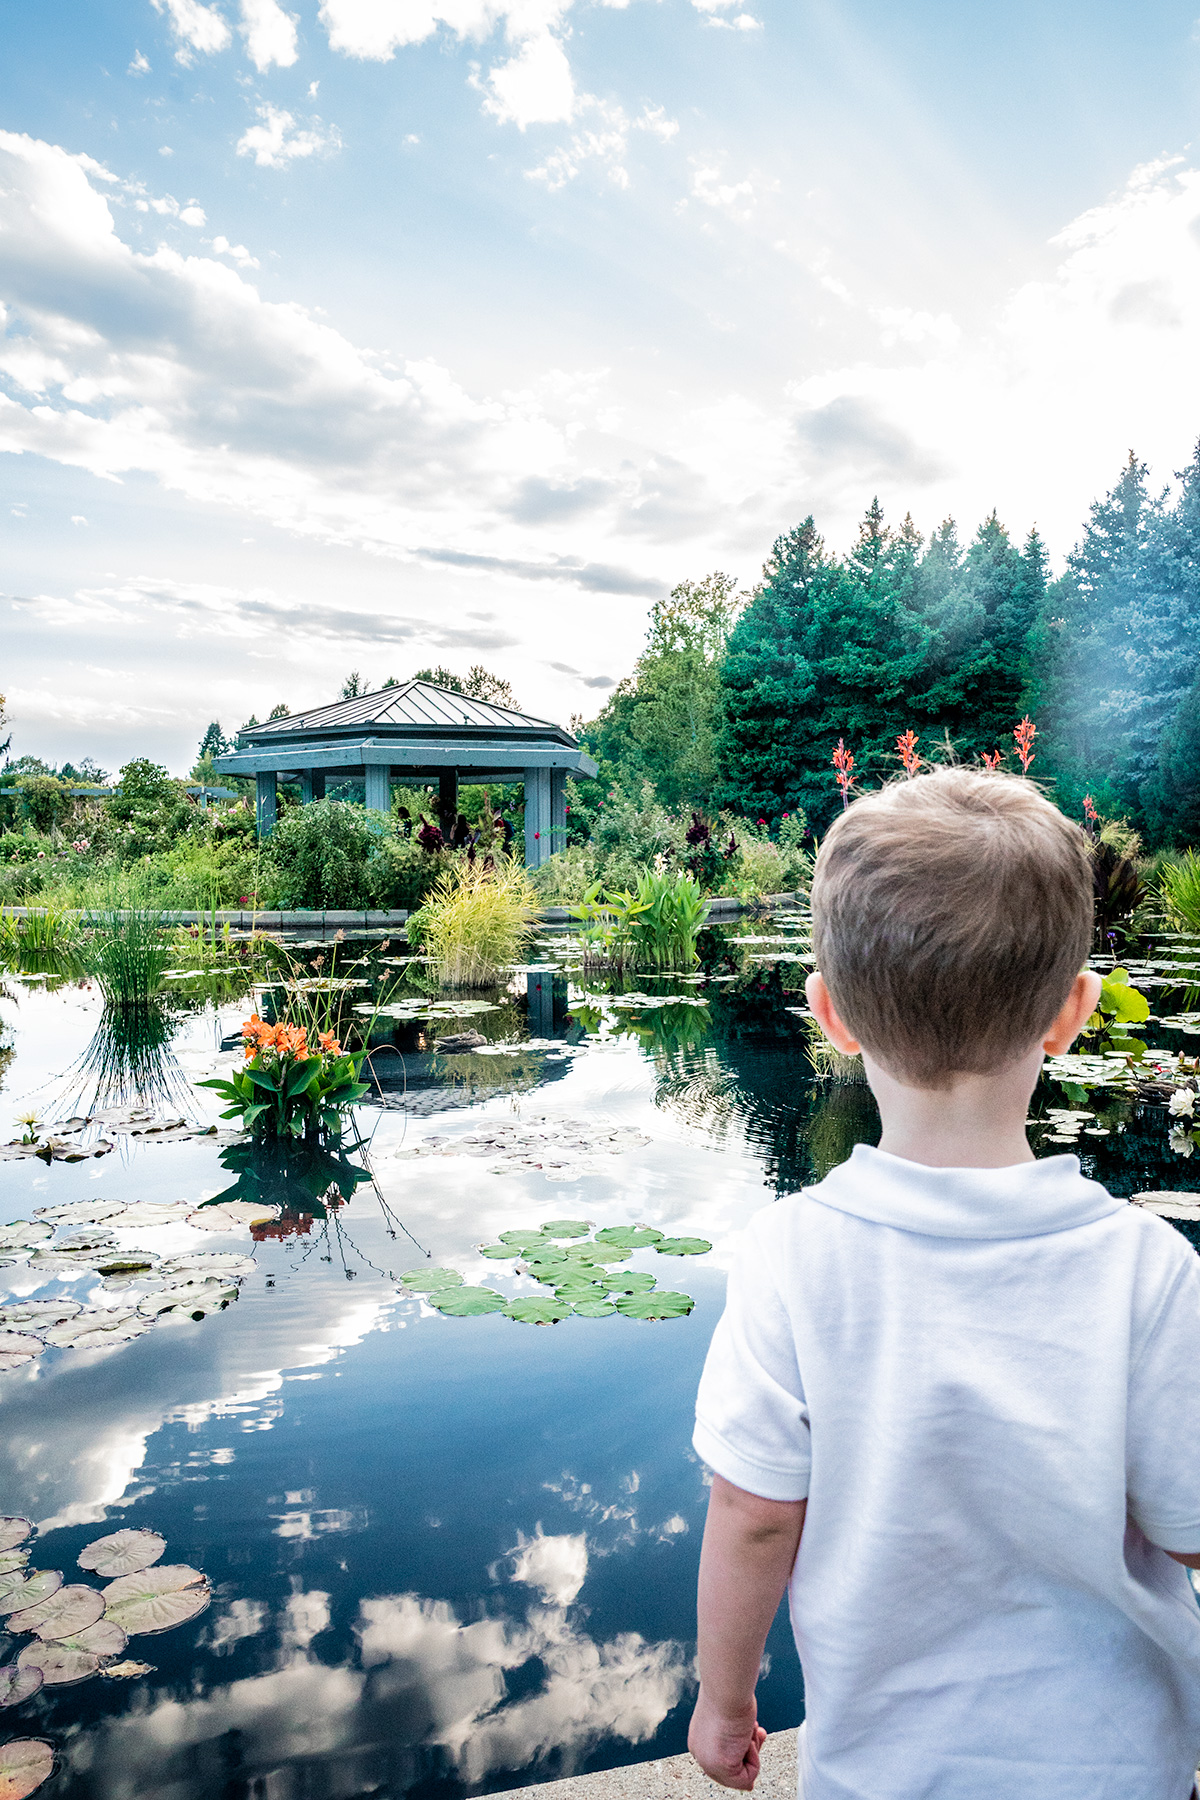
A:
(825, 1013)
(1074, 1013)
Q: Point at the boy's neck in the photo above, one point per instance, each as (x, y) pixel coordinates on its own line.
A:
(978, 1122)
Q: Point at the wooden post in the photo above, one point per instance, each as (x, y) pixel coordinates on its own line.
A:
(447, 801)
(312, 786)
(267, 798)
(558, 810)
(538, 823)
(378, 784)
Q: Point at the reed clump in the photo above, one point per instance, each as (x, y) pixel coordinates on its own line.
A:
(128, 952)
(1179, 888)
(477, 921)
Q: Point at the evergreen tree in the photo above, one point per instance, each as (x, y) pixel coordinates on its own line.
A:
(1172, 796)
(213, 743)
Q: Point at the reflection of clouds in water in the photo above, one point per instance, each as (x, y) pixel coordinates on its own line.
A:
(628, 1530)
(428, 1683)
(309, 1525)
(71, 1440)
(556, 1566)
(241, 1619)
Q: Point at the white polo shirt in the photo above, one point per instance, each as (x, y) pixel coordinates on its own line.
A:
(987, 1384)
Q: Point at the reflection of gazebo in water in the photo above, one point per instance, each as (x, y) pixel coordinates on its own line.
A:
(416, 732)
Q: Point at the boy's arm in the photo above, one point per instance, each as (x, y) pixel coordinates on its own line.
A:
(750, 1546)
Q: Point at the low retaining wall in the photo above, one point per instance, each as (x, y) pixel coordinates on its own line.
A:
(356, 923)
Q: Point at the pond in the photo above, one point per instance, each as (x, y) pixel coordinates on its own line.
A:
(422, 1554)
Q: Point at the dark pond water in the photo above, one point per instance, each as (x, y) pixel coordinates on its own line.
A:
(447, 1555)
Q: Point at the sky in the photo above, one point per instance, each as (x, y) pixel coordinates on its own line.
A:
(375, 334)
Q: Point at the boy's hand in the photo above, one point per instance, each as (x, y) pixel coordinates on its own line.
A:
(726, 1749)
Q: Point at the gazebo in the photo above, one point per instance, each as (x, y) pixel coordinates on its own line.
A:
(412, 732)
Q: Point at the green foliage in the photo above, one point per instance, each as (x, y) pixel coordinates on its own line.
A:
(1179, 888)
(476, 921)
(36, 934)
(150, 813)
(478, 684)
(655, 927)
(329, 854)
(128, 951)
(1120, 1005)
(298, 1083)
(562, 881)
(43, 800)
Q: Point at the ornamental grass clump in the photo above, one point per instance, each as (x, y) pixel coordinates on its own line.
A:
(297, 1081)
(1179, 888)
(476, 922)
(128, 951)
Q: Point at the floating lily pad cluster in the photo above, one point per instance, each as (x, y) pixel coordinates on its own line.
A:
(77, 1631)
(563, 1149)
(581, 1275)
(68, 1140)
(78, 1237)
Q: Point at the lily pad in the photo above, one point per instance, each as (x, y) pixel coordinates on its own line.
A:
(531, 1309)
(38, 1312)
(632, 1281)
(577, 1292)
(147, 1214)
(655, 1306)
(82, 1212)
(499, 1252)
(467, 1302)
(131, 1264)
(14, 1531)
(88, 1325)
(208, 1262)
(122, 1552)
(186, 1300)
(431, 1281)
(231, 1215)
(600, 1253)
(18, 1684)
(24, 1764)
(19, 1592)
(682, 1246)
(104, 1638)
(127, 1671)
(59, 1666)
(73, 1608)
(156, 1599)
(566, 1228)
(593, 1309)
(21, 1235)
(629, 1237)
(17, 1347)
(12, 1559)
(525, 1240)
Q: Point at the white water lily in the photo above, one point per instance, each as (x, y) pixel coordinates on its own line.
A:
(1182, 1103)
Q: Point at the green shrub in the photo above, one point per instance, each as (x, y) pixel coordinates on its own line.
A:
(329, 854)
(43, 800)
(151, 812)
(476, 921)
(406, 872)
(566, 878)
(1179, 887)
(630, 833)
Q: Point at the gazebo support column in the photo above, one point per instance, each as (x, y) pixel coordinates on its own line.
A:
(558, 810)
(447, 800)
(267, 801)
(312, 786)
(378, 784)
(538, 820)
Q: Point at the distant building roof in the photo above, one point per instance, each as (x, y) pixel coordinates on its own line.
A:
(415, 709)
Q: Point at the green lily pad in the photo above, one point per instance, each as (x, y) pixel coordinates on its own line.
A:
(467, 1302)
(499, 1252)
(682, 1246)
(568, 1228)
(632, 1281)
(28, 1590)
(593, 1309)
(14, 1532)
(156, 1599)
(431, 1281)
(58, 1666)
(601, 1253)
(524, 1240)
(531, 1309)
(11, 1560)
(122, 1552)
(629, 1237)
(655, 1306)
(575, 1291)
(72, 1608)
(549, 1258)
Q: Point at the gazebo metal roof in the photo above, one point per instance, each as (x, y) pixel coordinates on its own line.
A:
(416, 730)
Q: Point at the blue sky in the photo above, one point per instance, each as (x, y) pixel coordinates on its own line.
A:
(370, 333)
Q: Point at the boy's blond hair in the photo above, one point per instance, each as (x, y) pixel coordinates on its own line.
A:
(951, 913)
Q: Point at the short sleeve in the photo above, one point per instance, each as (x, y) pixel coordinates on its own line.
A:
(1163, 1444)
(751, 1414)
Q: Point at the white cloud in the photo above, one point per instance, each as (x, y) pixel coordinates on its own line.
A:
(716, 12)
(240, 1619)
(192, 215)
(237, 253)
(139, 65)
(199, 27)
(534, 87)
(277, 141)
(556, 1566)
(606, 142)
(78, 519)
(269, 33)
(729, 196)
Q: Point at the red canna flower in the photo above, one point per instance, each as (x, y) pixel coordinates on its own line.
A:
(906, 750)
(991, 759)
(1023, 736)
(843, 762)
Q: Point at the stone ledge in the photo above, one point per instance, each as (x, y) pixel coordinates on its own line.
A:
(671, 1778)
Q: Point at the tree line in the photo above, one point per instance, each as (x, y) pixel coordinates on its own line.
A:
(739, 700)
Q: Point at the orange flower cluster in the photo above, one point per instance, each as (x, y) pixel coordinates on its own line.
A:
(285, 1040)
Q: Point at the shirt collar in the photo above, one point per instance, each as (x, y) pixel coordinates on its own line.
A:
(1025, 1200)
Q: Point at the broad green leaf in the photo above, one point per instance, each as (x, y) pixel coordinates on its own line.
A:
(499, 1252)
(682, 1246)
(523, 1239)
(467, 1302)
(531, 1309)
(566, 1228)
(59, 1667)
(73, 1608)
(101, 1639)
(14, 1531)
(122, 1552)
(632, 1281)
(576, 1291)
(18, 1684)
(593, 1309)
(629, 1237)
(261, 1079)
(24, 1764)
(1120, 1000)
(156, 1599)
(431, 1281)
(300, 1076)
(655, 1306)
(23, 1592)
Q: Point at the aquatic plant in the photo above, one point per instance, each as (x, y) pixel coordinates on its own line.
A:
(1179, 890)
(654, 928)
(1120, 1005)
(476, 921)
(1116, 885)
(47, 932)
(128, 951)
(295, 1083)
(826, 1061)
(128, 1063)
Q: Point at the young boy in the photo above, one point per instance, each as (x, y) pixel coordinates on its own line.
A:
(953, 1404)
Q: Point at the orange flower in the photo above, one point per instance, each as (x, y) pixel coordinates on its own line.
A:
(256, 1035)
(330, 1044)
